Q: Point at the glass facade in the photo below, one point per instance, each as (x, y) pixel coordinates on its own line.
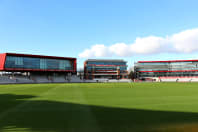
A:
(38, 63)
(106, 63)
(161, 69)
(106, 66)
(106, 69)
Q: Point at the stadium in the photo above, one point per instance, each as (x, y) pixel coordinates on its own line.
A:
(98, 66)
(167, 71)
(26, 68)
(55, 99)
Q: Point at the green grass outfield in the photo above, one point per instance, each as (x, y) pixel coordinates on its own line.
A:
(99, 107)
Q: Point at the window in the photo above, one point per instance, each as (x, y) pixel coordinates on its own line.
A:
(38, 63)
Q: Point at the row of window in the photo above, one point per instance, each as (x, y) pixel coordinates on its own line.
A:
(107, 63)
(169, 66)
(38, 63)
(163, 73)
(107, 68)
(169, 63)
(160, 74)
(169, 75)
(170, 69)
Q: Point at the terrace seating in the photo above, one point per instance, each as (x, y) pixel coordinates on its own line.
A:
(23, 79)
(185, 79)
(40, 79)
(194, 80)
(6, 79)
(120, 80)
(179, 79)
(125, 80)
(74, 79)
(168, 79)
(89, 81)
(59, 79)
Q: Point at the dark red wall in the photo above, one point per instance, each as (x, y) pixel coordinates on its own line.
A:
(2, 61)
(75, 65)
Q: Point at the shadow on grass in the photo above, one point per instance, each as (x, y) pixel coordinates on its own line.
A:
(19, 114)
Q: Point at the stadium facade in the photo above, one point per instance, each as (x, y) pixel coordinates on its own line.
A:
(174, 68)
(36, 67)
(109, 69)
(13, 62)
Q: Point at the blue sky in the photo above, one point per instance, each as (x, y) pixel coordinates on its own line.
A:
(70, 27)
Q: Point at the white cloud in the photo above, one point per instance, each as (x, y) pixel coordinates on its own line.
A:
(183, 42)
(98, 50)
(148, 45)
(120, 49)
(186, 41)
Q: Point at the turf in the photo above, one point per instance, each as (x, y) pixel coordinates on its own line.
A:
(99, 107)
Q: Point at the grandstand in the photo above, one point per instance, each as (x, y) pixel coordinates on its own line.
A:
(26, 68)
(167, 71)
(178, 79)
